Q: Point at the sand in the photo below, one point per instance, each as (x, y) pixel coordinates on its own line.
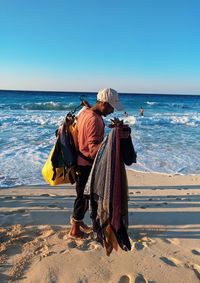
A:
(164, 228)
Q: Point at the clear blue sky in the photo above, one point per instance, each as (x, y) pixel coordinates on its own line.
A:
(132, 46)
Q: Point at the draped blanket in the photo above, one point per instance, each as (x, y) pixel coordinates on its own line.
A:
(107, 186)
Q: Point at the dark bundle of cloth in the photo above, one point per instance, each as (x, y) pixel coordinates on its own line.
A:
(108, 190)
(64, 154)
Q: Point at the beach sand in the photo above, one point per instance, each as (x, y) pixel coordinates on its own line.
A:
(164, 228)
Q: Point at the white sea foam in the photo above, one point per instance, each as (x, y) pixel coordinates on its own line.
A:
(151, 102)
(131, 120)
(179, 120)
(187, 120)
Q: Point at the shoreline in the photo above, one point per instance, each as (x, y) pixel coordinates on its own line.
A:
(138, 178)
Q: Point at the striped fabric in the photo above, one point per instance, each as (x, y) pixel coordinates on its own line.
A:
(108, 182)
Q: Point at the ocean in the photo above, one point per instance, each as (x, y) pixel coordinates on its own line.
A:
(166, 138)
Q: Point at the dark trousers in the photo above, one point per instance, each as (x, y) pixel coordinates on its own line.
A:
(81, 203)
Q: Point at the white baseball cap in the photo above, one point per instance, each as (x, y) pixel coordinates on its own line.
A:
(111, 96)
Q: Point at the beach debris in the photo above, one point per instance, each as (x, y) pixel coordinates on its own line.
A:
(171, 261)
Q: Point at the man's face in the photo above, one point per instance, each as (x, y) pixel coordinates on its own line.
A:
(106, 109)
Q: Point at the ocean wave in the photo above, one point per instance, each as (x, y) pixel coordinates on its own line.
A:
(50, 119)
(151, 102)
(40, 106)
(31, 120)
(187, 120)
(170, 105)
(49, 106)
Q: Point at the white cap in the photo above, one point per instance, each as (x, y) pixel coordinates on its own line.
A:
(111, 96)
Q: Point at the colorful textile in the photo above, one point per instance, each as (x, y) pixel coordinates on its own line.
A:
(117, 185)
(99, 182)
(107, 185)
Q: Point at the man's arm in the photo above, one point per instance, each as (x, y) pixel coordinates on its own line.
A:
(95, 133)
(93, 148)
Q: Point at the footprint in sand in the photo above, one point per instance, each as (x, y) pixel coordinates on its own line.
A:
(172, 241)
(186, 199)
(158, 205)
(47, 195)
(43, 251)
(197, 271)
(62, 235)
(139, 246)
(94, 246)
(196, 251)
(83, 281)
(171, 261)
(65, 251)
(19, 197)
(72, 244)
(125, 279)
(8, 198)
(83, 245)
(21, 210)
(87, 245)
(140, 279)
(13, 197)
(195, 268)
(46, 233)
(144, 206)
(52, 206)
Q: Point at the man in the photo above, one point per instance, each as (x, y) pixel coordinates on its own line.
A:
(90, 136)
(141, 111)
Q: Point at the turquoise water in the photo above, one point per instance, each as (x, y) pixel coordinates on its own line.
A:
(166, 138)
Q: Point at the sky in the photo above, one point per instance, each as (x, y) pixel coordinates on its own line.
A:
(138, 46)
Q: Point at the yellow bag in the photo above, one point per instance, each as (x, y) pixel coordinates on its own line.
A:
(47, 173)
(62, 176)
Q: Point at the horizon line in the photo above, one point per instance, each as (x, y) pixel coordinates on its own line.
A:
(94, 92)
